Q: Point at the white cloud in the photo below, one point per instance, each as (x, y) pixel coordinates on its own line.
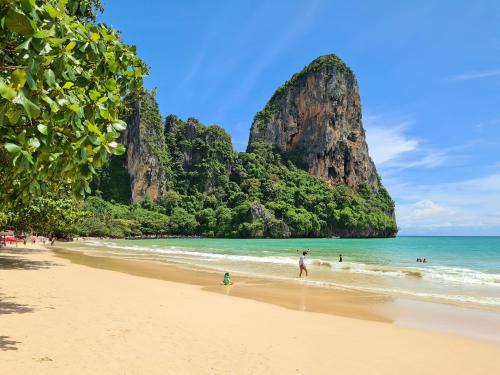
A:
(420, 158)
(462, 207)
(387, 141)
(475, 75)
(393, 150)
(426, 208)
(468, 206)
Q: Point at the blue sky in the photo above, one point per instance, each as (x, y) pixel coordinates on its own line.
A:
(428, 71)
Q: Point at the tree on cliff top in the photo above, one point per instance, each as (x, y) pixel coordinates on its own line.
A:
(62, 80)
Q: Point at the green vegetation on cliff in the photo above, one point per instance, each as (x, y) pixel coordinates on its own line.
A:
(260, 193)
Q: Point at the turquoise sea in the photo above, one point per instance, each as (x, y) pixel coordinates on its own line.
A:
(459, 270)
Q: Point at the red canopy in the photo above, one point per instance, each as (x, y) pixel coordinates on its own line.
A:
(8, 239)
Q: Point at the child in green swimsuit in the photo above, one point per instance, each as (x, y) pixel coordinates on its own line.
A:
(227, 279)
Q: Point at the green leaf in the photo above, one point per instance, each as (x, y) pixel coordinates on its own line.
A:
(52, 104)
(30, 108)
(102, 100)
(14, 115)
(68, 85)
(24, 45)
(104, 113)
(110, 84)
(42, 34)
(94, 95)
(18, 78)
(27, 5)
(119, 149)
(18, 22)
(50, 78)
(53, 156)
(119, 125)
(12, 148)
(94, 140)
(92, 128)
(42, 129)
(34, 142)
(74, 107)
(28, 156)
(70, 46)
(31, 82)
(51, 10)
(6, 91)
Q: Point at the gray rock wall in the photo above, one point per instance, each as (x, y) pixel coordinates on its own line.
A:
(316, 118)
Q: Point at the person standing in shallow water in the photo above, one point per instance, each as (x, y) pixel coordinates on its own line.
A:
(340, 258)
(302, 263)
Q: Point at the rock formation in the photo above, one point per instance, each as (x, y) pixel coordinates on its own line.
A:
(145, 147)
(315, 119)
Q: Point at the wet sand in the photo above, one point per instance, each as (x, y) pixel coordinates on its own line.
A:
(469, 322)
(354, 304)
(60, 316)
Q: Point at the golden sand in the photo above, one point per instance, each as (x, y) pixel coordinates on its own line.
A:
(62, 317)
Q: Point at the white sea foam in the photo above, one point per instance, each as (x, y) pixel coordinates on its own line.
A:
(448, 275)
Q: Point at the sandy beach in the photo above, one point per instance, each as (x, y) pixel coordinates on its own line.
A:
(60, 316)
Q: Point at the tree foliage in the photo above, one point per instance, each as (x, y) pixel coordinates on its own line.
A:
(62, 80)
(52, 214)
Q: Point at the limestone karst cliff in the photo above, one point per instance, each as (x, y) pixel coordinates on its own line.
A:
(315, 118)
(306, 173)
(146, 155)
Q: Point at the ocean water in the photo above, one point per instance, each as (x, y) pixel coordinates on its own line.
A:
(459, 270)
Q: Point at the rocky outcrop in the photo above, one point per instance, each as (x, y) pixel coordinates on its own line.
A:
(145, 158)
(260, 212)
(315, 119)
(274, 228)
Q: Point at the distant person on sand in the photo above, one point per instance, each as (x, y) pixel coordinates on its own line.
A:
(302, 263)
(340, 258)
(227, 279)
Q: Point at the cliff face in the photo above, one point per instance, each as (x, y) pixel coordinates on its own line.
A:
(315, 119)
(201, 156)
(145, 159)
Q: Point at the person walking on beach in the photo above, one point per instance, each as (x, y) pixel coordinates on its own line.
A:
(302, 263)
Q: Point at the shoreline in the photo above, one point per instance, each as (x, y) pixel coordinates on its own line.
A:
(451, 285)
(302, 297)
(350, 303)
(60, 317)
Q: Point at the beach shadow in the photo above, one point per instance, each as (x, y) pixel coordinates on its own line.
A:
(8, 344)
(8, 307)
(17, 263)
(20, 250)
